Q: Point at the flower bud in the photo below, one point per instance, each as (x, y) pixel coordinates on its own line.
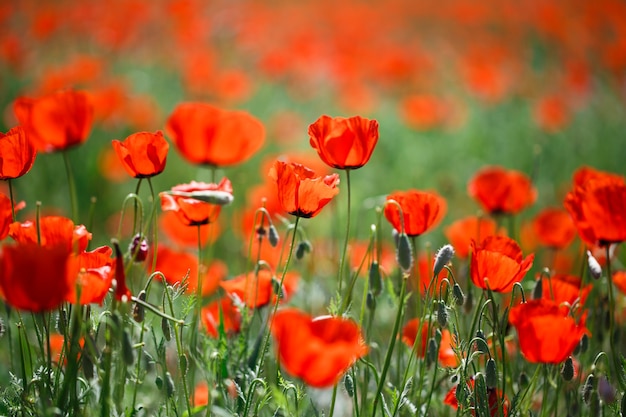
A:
(166, 328)
(149, 361)
(349, 384)
(594, 266)
(139, 311)
(443, 258)
(538, 289)
(273, 237)
(587, 388)
(370, 301)
(431, 353)
(404, 254)
(481, 342)
(491, 373)
(128, 353)
(139, 248)
(567, 372)
(523, 380)
(606, 391)
(584, 343)
(62, 321)
(375, 279)
(170, 388)
(303, 248)
(442, 314)
(457, 293)
(183, 364)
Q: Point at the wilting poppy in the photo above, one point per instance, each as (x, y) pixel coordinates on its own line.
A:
(142, 154)
(597, 205)
(554, 228)
(34, 277)
(17, 153)
(546, 331)
(501, 191)
(52, 231)
(194, 211)
(300, 191)
(461, 232)
(420, 210)
(205, 134)
(562, 288)
(344, 143)
(94, 274)
(317, 350)
(446, 356)
(57, 121)
(258, 290)
(222, 312)
(6, 214)
(494, 398)
(497, 262)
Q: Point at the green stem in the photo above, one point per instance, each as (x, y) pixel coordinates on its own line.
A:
(71, 185)
(614, 347)
(345, 244)
(12, 199)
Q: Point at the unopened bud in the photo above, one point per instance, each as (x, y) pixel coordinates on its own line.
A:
(166, 329)
(481, 342)
(404, 253)
(139, 311)
(87, 365)
(594, 266)
(149, 361)
(128, 353)
(370, 301)
(584, 343)
(538, 289)
(348, 382)
(457, 293)
(567, 372)
(375, 279)
(183, 364)
(302, 249)
(461, 393)
(491, 373)
(623, 405)
(273, 236)
(139, 248)
(442, 314)
(523, 380)
(587, 388)
(443, 258)
(431, 353)
(170, 388)
(606, 391)
(62, 321)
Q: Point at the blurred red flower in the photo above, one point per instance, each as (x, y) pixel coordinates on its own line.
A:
(142, 154)
(554, 228)
(56, 121)
(193, 211)
(94, 272)
(6, 214)
(494, 398)
(551, 114)
(461, 232)
(300, 191)
(597, 205)
(562, 288)
(17, 153)
(205, 134)
(500, 191)
(258, 291)
(421, 211)
(53, 230)
(184, 235)
(497, 262)
(344, 143)
(222, 312)
(317, 350)
(446, 356)
(546, 331)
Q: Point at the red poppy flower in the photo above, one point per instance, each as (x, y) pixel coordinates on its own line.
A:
(546, 331)
(554, 228)
(225, 310)
(56, 121)
(420, 210)
(300, 192)
(461, 232)
(500, 191)
(208, 135)
(6, 214)
(94, 272)
(176, 265)
(497, 262)
(344, 143)
(257, 291)
(619, 279)
(562, 288)
(34, 277)
(17, 154)
(425, 266)
(53, 230)
(142, 154)
(186, 236)
(358, 253)
(317, 350)
(597, 205)
(122, 293)
(192, 210)
(446, 356)
(494, 397)
(551, 114)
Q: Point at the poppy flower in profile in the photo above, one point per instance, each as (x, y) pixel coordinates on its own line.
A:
(17, 154)
(53, 230)
(562, 288)
(501, 191)
(6, 214)
(190, 205)
(546, 331)
(208, 135)
(142, 154)
(446, 356)
(222, 312)
(344, 143)
(497, 262)
(597, 205)
(56, 121)
(554, 228)
(420, 210)
(258, 291)
(34, 277)
(317, 350)
(461, 232)
(300, 192)
(94, 274)
(494, 398)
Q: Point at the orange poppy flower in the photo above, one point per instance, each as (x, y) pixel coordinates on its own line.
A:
(57, 121)
(500, 191)
(344, 143)
(34, 277)
(446, 356)
(546, 331)
(17, 154)
(497, 262)
(257, 291)
(225, 309)
(494, 397)
(176, 265)
(554, 228)
(317, 350)
(461, 232)
(6, 214)
(300, 192)
(420, 210)
(193, 211)
(562, 288)
(184, 235)
(551, 114)
(53, 230)
(94, 271)
(597, 205)
(142, 154)
(209, 135)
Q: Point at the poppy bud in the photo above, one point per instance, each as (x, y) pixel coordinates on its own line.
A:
(523, 380)
(587, 388)
(149, 361)
(584, 343)
(594, 266)
(431, 354)
(158, 381)
(303, 248)
(166, 329)
(458, 295)
(128, 353)
(442, 314)
(538, 289)
(606, 391)
(169, 385)
(370, 301)
(443, 257)
(348, 382)
(481, 342)
(491, 374)
(277, 288)
(183, 364)
(87, 365)
(567, 372)
(273, 236)
(482, 397)
(217, 197)
(404, 254)
(139, 311)
(375, 279)
(62, 321)
(139, 248)
(461, 393)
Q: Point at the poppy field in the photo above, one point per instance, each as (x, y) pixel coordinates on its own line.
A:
(313, 208)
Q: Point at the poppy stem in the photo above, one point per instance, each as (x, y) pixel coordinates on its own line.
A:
(12, 200)
(617, 362)
(72, 186)
(345, 244)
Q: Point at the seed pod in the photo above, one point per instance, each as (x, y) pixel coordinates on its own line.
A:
(128, 352)
(138, 309)
(170, 388)
(491, 374)
(348, 382)
(443, 257)
(567, 372)
(375, 279)
(457, 293)
(273, 237)
(442, 314)
(166, 328)
(404, 254)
